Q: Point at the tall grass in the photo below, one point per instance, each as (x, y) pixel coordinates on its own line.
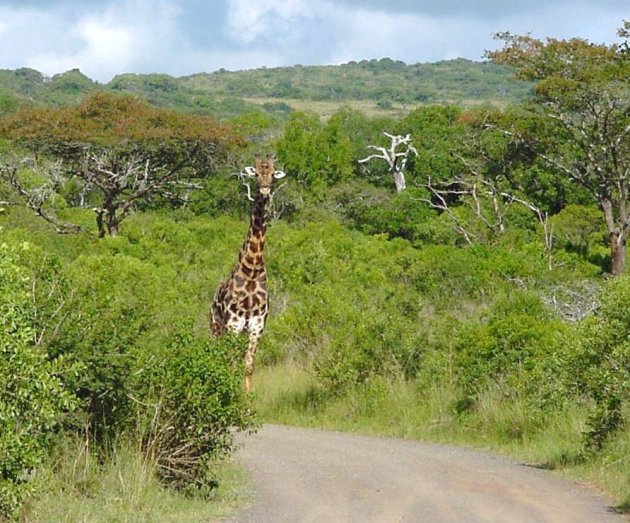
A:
(289, 394)
(77, 485)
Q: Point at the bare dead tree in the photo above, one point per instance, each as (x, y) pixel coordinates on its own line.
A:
(396, 159)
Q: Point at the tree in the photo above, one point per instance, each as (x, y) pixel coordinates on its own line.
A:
(396, 159)
(315, 154)
(483, 184)
(122, 151)
(578, 121)
(39, 191)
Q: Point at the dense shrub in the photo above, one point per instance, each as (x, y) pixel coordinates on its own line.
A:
(515, 347)
(192, 400)
(344, 304)
(111, 314)
(599, 362)
(32, 398)
(374, 210)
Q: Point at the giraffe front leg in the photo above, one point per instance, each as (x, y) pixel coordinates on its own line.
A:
(249, 360)
(255, 332)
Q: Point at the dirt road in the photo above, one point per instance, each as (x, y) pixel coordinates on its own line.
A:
(303, 475)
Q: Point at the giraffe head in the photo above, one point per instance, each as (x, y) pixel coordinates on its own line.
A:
(264, 172)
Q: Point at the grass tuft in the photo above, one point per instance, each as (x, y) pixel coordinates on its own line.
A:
(77, 486)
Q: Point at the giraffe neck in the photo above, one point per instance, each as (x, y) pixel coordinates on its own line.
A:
(250, 262)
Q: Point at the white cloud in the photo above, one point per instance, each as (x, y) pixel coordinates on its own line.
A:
(377, 34)
(107, 37)
(117, 37)
(104, 49)
(249, 20)
(336, 33)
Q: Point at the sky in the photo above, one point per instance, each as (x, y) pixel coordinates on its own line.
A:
(104, 38)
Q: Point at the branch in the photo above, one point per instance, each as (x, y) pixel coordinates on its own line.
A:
(36, 198)
(391, 156)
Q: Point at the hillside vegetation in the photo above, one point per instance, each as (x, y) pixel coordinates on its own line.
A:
(381, 85)
(485, 301)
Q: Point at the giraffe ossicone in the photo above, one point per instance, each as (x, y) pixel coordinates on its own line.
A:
(240, 303)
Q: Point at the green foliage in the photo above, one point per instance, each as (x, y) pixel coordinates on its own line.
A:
(126, 298)
(8, 102)
(446, 81)
(118, 152)
(32, 399)
(453, 81)
(581, 229)
(114, 304)
(581, 101)
(315, 154)
(258, 126)
(127, 325)
(437, 134)
(221, 195)
(111, 120)
(352, 289)
(374, 210)
(192, 400)
(514, 348)
(69, 87)
(599, 366)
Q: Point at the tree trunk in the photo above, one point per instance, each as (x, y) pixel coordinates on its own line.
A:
(618, 254)
(617, 234)
(99, 222)
(112, 225)
(399, 180)
(113, 222)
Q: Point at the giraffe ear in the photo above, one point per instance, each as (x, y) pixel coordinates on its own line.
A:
(249, 171)
(279, 174)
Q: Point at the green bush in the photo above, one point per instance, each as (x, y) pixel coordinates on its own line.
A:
(514, 348)
(192, 399)
(32, 397)
(374, 210)
(345, 304)
(599, 363)
(126, 296)
(136, 319)
(112, 313)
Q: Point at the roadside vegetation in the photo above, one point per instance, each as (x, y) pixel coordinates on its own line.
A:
(486, 304)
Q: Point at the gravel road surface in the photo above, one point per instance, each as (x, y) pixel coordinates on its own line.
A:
(303, 475)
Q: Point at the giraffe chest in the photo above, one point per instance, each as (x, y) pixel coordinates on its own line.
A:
(242, 304)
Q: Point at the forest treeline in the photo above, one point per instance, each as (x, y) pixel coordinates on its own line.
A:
(495, 279)
(223, 93)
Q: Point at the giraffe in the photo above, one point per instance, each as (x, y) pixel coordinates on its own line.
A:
(240, 302)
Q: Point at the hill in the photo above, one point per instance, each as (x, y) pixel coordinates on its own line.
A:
(385, 86)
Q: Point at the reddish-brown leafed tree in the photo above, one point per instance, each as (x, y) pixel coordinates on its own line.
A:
(121, 150)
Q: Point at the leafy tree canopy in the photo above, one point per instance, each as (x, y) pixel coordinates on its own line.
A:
(120, 150)
(112, 121)
(578, 123)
